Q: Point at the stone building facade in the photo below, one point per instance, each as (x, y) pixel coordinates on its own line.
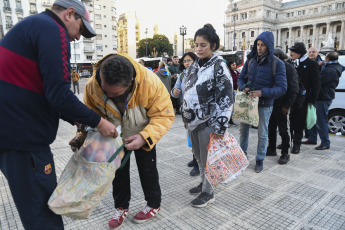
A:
(310, 21)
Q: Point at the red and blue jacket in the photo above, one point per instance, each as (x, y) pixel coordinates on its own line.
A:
(35, 84)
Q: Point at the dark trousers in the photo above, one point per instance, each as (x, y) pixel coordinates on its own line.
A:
(297, 123)
(32, 179)
(278, 119)
(148, 173)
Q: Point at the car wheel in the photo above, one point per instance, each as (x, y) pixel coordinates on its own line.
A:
(336, 122)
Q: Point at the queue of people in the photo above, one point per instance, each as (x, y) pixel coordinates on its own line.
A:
(123, 92)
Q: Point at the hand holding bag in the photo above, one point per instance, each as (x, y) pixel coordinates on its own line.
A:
(225, 160)
(246, 109)
(88, 176)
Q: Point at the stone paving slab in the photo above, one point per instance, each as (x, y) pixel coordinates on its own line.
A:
(307, 193)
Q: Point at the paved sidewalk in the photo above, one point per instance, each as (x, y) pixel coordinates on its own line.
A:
(307, 193)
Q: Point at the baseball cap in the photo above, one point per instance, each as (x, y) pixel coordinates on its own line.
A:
(82, 11)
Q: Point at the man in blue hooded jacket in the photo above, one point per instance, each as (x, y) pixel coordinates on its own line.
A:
(258, 79)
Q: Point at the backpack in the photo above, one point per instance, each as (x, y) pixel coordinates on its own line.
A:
(274, 64)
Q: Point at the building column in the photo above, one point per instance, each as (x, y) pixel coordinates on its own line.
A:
(341, 39)
(302, 31)
(313, 42)
(327, 30)
(279, 37)
(290, 37)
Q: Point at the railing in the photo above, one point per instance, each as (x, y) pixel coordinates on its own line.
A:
(88, 50)
(9, 25)
(7, 8)
(33, 11)
(88, 40)
(19, 10)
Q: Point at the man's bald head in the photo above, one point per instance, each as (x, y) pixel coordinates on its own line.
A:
(313, 53)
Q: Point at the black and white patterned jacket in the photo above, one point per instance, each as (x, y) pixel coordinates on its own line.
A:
(208, 98)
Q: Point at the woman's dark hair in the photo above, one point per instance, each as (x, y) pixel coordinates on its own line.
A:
(191, 54)
(116, 70)
(209, 34)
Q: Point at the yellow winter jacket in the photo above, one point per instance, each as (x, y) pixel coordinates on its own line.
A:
(149, 109)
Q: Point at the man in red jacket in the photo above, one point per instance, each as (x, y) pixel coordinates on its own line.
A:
(34, 94)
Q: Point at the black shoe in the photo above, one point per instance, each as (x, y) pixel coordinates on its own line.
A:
(306, 136)
(271, 152)
(259, 166)
(196, 189)
(279, 146)
(254, 127)
(307, 142)
(203, 199)
(295, 149)
(190, 163)
(195, 171)
(284, 158)
(321, 147)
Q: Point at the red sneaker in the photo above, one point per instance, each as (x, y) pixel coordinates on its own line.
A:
(146, 214)
(118, 218)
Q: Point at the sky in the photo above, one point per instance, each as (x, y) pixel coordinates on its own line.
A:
(171, 15)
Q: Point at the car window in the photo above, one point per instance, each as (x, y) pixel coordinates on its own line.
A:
(342, 78)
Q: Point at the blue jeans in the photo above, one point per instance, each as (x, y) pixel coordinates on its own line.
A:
(264, 117)
(321, 126)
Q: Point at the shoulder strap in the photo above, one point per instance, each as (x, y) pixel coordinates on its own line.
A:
(274, 65)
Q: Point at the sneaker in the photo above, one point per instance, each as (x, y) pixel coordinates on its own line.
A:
(203, 199)
(195, 171)
(259, 166)
(232, 123)
(145, 214)
(295, 149)
(196, 189)
(117, 220)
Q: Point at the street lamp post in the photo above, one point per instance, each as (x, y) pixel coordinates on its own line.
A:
(146, 41)
(75, 58)
(234, 10)
(183, 32)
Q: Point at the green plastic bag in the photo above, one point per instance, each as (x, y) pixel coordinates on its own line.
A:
(311, 116)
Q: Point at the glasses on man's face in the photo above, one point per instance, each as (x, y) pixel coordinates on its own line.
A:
(187, 60)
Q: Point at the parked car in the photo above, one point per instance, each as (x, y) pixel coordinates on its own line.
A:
(85, 74)
(336, 113)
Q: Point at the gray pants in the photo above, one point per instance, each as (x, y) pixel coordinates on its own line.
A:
(75, 84)
(200, 140)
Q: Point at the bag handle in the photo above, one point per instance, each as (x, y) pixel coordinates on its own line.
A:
(125, 158)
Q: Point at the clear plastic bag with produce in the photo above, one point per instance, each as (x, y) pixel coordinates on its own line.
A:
(97, 148)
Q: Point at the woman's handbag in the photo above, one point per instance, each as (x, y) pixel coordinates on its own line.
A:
(88, 176)
(225, 160)
(246, 109)
(311, 116)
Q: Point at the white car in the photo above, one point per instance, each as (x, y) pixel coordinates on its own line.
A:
(336, 113)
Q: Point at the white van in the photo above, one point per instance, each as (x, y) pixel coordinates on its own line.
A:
(336, 113)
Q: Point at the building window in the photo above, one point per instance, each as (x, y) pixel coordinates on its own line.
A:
(343, 4)
(316, 10)
(330, 7)
(99, 56)
(75, 46)
(252, 34)
(104, 16)
(76, 56)
(113, 18)
(338, 28)
(299, 12)
(98, 26)
(97, 7)
(288, 15)
(243, 34)
(324, 30)
(99, 47)
(97, 16)
(311, 31)
(9, 22)
(33, 9)
(7, 5)
(114, 37)
(338, 5)
(287, 34)
(303, 12)
(99, 36)
(114, 47)
(19, 6)
(89, 57)
(292, 13)
(298, 33)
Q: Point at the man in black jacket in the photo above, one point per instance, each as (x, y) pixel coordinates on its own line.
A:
(309, 86)
(330, 75)
(281, 108)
